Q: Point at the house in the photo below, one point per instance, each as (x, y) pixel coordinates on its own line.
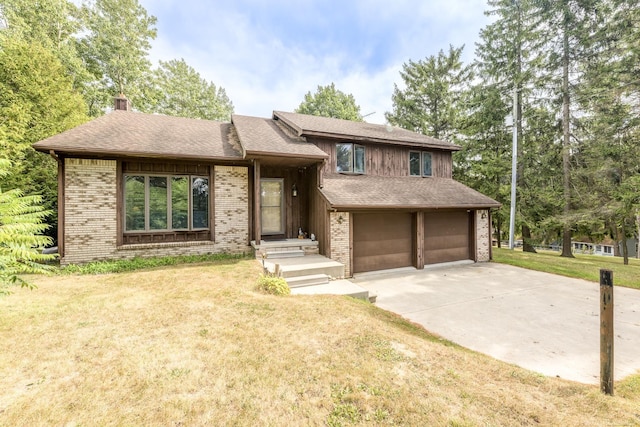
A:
(373, 196)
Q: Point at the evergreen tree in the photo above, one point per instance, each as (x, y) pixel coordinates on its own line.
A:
(507, 58)
(37, 100)
(430, 102)
(570, 44)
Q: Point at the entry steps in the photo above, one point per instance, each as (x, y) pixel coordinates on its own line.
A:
(314, 274)
(285, 248)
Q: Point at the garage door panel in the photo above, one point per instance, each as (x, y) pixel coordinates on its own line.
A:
(382, 247)
(382, 241)
(382, 262)
(446, 236)
(452, 241)
(436, 256)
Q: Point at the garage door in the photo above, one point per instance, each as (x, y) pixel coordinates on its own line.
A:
(446, 236)
(381, 241)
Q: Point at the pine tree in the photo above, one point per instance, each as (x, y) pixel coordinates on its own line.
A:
(431, 102)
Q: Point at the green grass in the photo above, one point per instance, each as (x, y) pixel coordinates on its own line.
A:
(191, 345)
(124, 265)
(585, 267)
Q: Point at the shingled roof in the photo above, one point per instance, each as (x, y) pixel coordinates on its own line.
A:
(126, 133)
(306, 125)
(385, 192)
(260, 136)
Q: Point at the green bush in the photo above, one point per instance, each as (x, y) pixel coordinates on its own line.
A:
(273, 285)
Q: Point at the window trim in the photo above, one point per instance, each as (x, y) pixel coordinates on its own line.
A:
(169, 178)
(422, 155)
(353, 150)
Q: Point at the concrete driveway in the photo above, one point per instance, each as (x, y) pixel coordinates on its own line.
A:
(539, 321)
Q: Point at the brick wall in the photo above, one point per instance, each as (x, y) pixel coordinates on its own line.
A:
(91, 211)
(339, 233)
(482, 236)
(231, 194)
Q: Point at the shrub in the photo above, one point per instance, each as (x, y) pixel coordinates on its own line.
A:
(273, 285)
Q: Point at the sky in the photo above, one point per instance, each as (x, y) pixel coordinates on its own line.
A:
(268, 54)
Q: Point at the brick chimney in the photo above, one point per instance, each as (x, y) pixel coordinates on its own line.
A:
(122, 103)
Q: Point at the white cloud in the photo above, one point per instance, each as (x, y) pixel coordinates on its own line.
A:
(264, 66)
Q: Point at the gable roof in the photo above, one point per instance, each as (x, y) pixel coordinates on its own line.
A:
(325, 127)
(127, 133)
(259, 137)
(389, 192)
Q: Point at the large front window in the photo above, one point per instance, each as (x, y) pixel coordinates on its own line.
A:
(166, 203)
(350, 158)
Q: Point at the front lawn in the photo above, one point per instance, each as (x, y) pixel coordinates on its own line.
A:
(198, 345)
(582, 266)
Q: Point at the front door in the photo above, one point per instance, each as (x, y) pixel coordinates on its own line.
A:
(272, 206)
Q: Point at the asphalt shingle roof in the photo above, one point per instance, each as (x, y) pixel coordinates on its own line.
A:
(306, 125)
(261, 136)
(127, 133)
(385, 192)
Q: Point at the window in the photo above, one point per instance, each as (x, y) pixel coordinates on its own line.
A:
(608, 249)
(271, 206)
(350, 158)
(419, 163)
(166, 203)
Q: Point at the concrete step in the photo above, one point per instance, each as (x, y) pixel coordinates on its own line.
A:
(289, 253)
(304, 266)
(311, 280)
(330, 268)
(334, 287)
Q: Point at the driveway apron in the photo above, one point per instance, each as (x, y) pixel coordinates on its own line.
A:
(539, 321)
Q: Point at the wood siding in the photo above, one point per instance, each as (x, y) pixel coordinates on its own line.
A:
(387, 160)
(319, 212)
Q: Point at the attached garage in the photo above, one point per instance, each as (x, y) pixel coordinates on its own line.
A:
(446, 236)
(382, 241)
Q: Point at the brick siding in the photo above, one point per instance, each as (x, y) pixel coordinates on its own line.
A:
(482, 236)
(90, 212)
(340, 239)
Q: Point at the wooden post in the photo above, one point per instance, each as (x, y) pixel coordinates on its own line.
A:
(606, 331)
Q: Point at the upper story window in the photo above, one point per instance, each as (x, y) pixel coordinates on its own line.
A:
(350, 158)
(166, 203)
(419, 163)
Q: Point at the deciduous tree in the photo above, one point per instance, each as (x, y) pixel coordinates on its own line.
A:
(116, 49)
(176, 89)
(21, 236)
(328, 101)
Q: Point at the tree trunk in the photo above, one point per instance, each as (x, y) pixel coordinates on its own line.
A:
(526, 240)
(499, 231)
(623, 242)
(566, 147)
(638, 239)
